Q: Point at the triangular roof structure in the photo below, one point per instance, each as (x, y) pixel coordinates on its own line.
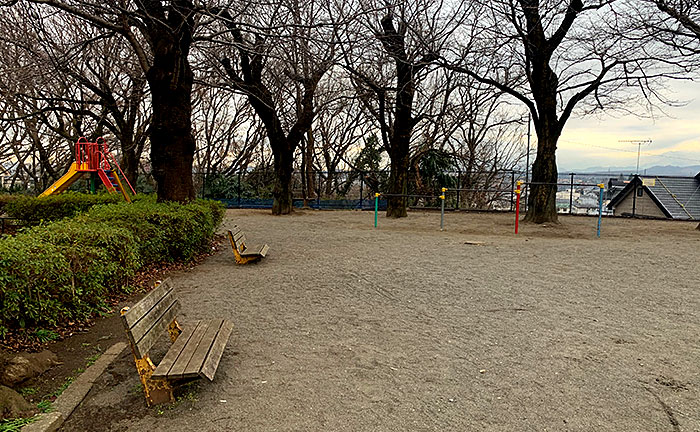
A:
(676, 197)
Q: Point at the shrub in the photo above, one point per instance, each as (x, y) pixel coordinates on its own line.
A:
(5, 199)
(65, 270)
(166, 231)
(54, 207)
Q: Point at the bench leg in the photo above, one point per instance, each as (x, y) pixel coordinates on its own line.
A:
(246, 260)
(157, 391)
(174, 331)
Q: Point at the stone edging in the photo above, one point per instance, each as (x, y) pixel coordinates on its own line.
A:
(69, 400)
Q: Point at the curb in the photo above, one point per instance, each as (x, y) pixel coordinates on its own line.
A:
(69, 400)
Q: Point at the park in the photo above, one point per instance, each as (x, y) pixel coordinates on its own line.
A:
(349, 216)
(410, 328)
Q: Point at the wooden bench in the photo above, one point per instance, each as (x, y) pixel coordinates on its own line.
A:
(195, 351)
(243, 252)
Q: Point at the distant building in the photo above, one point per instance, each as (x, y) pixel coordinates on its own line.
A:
(615, 186)
(659, 197)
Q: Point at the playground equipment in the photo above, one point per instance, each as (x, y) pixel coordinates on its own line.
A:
(518, 192)
(441, 197)
(521, 185)
(93, 158)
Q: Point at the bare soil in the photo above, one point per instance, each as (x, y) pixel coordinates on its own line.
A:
(349, 328)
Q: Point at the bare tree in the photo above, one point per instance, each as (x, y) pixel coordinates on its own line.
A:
(410, 35)
(279, 71)
(556, 57)
(226, 130)
(341, 124)
(160, 34)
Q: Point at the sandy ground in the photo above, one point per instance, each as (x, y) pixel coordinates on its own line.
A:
(349, 328)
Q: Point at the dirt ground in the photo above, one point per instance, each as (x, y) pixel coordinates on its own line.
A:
(349, 328)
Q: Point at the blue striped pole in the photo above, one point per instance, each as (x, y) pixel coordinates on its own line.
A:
(442, 209)
(376, 208)
(600, 205)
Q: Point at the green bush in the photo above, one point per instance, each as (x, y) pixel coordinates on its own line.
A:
(65, 270)
(5, 199)
(54, 207)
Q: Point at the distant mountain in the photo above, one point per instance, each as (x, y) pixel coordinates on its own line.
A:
(666, 170)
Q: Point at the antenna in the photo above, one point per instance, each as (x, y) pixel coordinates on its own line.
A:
(639, 148)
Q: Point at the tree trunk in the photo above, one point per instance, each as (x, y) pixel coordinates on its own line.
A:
(542, 198)
(172, 144)
(129, 161)
(282, 191)
(309, 161)
(398, 182)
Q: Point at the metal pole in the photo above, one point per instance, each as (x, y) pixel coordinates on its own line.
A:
(634, 197)
(527, 158)
(318, 193)
(442, 210)
(459, 186)
(571, 195)
(600, 205)
(239, 189)
(362, 182)
(512, 182)
(376, 207)
(517, 207)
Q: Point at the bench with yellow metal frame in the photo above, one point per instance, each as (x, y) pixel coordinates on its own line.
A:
(195, 351)
(243, 252)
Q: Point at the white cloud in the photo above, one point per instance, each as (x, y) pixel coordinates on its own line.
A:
(675, 137)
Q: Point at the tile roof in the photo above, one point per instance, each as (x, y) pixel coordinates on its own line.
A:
(677, 197)
(680, 196)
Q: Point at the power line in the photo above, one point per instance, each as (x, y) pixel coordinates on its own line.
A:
(632, 151)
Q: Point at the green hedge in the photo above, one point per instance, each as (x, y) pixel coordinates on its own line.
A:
(54, 207)
(65, 270)
(5, 199)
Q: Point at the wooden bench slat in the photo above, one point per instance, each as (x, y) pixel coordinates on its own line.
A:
(243, 252)
(217, 349)
(175, 351)
(140, 309)
(178, 369)
(146, 342)
(237, 241)
(202, 351)
(256, 251)
(149, 320)
(195, 353)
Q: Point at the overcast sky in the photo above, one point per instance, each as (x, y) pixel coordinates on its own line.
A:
(593, 142)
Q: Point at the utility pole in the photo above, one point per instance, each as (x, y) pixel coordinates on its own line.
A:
(636, 178)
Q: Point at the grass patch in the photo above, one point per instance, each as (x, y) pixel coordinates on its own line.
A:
(15, 425)
(92, 359)
(27, 391)
(43, 335)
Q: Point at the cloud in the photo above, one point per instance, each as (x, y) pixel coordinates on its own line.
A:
(597, 142)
